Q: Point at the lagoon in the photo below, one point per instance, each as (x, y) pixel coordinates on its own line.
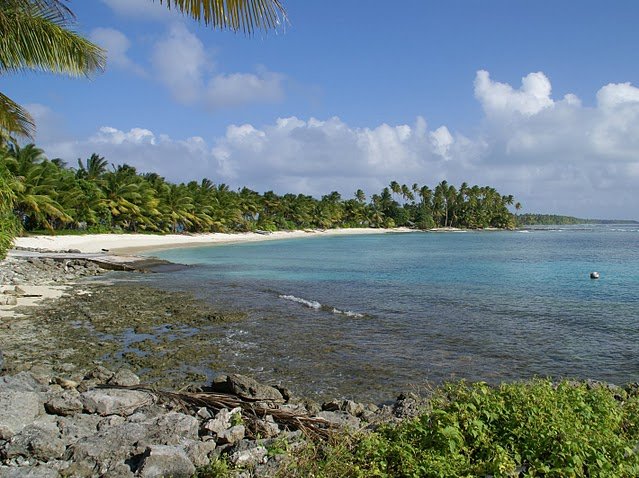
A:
(368, 316)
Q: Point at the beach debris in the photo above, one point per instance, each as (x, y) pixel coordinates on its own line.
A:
(594, 275)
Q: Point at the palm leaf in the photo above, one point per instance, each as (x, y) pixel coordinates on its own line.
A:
(14, 119)
(245, 15)
(34, 38)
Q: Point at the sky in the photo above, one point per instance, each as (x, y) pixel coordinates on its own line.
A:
(537, 99)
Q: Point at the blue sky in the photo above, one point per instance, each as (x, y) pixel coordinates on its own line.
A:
(355, 94)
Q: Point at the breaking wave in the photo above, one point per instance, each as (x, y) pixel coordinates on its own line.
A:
(313, 304)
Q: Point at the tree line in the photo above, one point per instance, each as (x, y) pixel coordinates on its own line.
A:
(45, 194)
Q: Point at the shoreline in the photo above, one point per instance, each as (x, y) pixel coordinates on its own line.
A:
(128, 244)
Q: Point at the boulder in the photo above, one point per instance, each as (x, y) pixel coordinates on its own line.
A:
(124, 378)
(40, 471)
(17, 410)
(232, 435)
(246, 387)
(67, 403)
(161, 461)
(248, 457)
(100, 373)
(340, 419)
(114, 401)
(40, 440)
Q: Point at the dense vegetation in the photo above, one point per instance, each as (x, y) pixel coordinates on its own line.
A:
(553, 219)
(539, 428)
(95, 197)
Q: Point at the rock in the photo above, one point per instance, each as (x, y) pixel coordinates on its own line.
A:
(17, 410)
(353, 408)
(65, 383)
(232, 435)
(203, 412)
(124, 378)
(80, 426)
(1, 360)
(340, 419)
(170, 428)
(17, 290)
(114, 401)
(67, 403)
(267, 427)
(40, 440)
(40, 471)
(199, 452)
(221, 422)
(8, 300)
(161, 461)
(246, 387)
(248, 457)
(100, 373)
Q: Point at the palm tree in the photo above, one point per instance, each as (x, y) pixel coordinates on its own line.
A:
(235, 15)
(35, 35)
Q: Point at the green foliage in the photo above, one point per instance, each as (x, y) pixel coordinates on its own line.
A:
(218, 468)
(523, 429)
(555, 220)
(47, 194)
(9, 226)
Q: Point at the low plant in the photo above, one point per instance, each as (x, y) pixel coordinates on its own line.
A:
(532, 429)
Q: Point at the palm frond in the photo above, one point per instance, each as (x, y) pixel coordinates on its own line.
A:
(37, 38)
(235, 15)
(14, 120)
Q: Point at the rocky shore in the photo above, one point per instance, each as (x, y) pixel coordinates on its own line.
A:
(72, 402)
(106, 424)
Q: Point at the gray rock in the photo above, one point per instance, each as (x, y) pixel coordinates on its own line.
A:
(246, 387)
(267, 427)
(79, 426)
(67, 403)
(125, 378)
(353, 408)
(163, 461)
(232, 435)
(100, 373)
(114, 401)
(199, 452)
(1, 360)
(170, 428)
(41, 471)
(40, 440)
(8, 300)
(340, 419)
(221, 422)
(17, 410)
(248, 457)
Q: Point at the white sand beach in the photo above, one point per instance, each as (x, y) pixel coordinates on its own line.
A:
(136, 243)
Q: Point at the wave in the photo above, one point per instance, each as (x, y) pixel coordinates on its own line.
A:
(313, 304)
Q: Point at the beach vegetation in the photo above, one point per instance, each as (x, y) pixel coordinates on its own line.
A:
(539, 428)
(53, 196)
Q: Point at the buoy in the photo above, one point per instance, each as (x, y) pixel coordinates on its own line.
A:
(594, 275)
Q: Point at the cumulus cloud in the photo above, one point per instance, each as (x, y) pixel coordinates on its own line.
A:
(116, 44)
(554, 155)
(182, 63)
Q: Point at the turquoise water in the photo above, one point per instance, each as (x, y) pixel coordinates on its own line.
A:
(370, 315)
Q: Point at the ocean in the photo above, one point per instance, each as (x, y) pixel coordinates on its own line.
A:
(368, 316)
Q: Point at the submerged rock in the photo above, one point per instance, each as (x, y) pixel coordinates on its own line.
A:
(246, 387)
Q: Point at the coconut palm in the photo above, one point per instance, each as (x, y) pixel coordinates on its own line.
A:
(35, 35)
(235, 15)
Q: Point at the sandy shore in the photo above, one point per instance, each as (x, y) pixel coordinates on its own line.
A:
(136, 243)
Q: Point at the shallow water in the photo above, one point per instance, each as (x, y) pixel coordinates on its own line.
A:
(367, 316)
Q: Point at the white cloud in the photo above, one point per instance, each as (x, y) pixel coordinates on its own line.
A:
(554, 155)
(116, 44)
(501, 98)
(182, 63)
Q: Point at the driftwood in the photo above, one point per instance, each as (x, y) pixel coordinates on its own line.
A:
(253, 409)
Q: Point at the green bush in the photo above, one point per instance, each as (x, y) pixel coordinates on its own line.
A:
(532, 429)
